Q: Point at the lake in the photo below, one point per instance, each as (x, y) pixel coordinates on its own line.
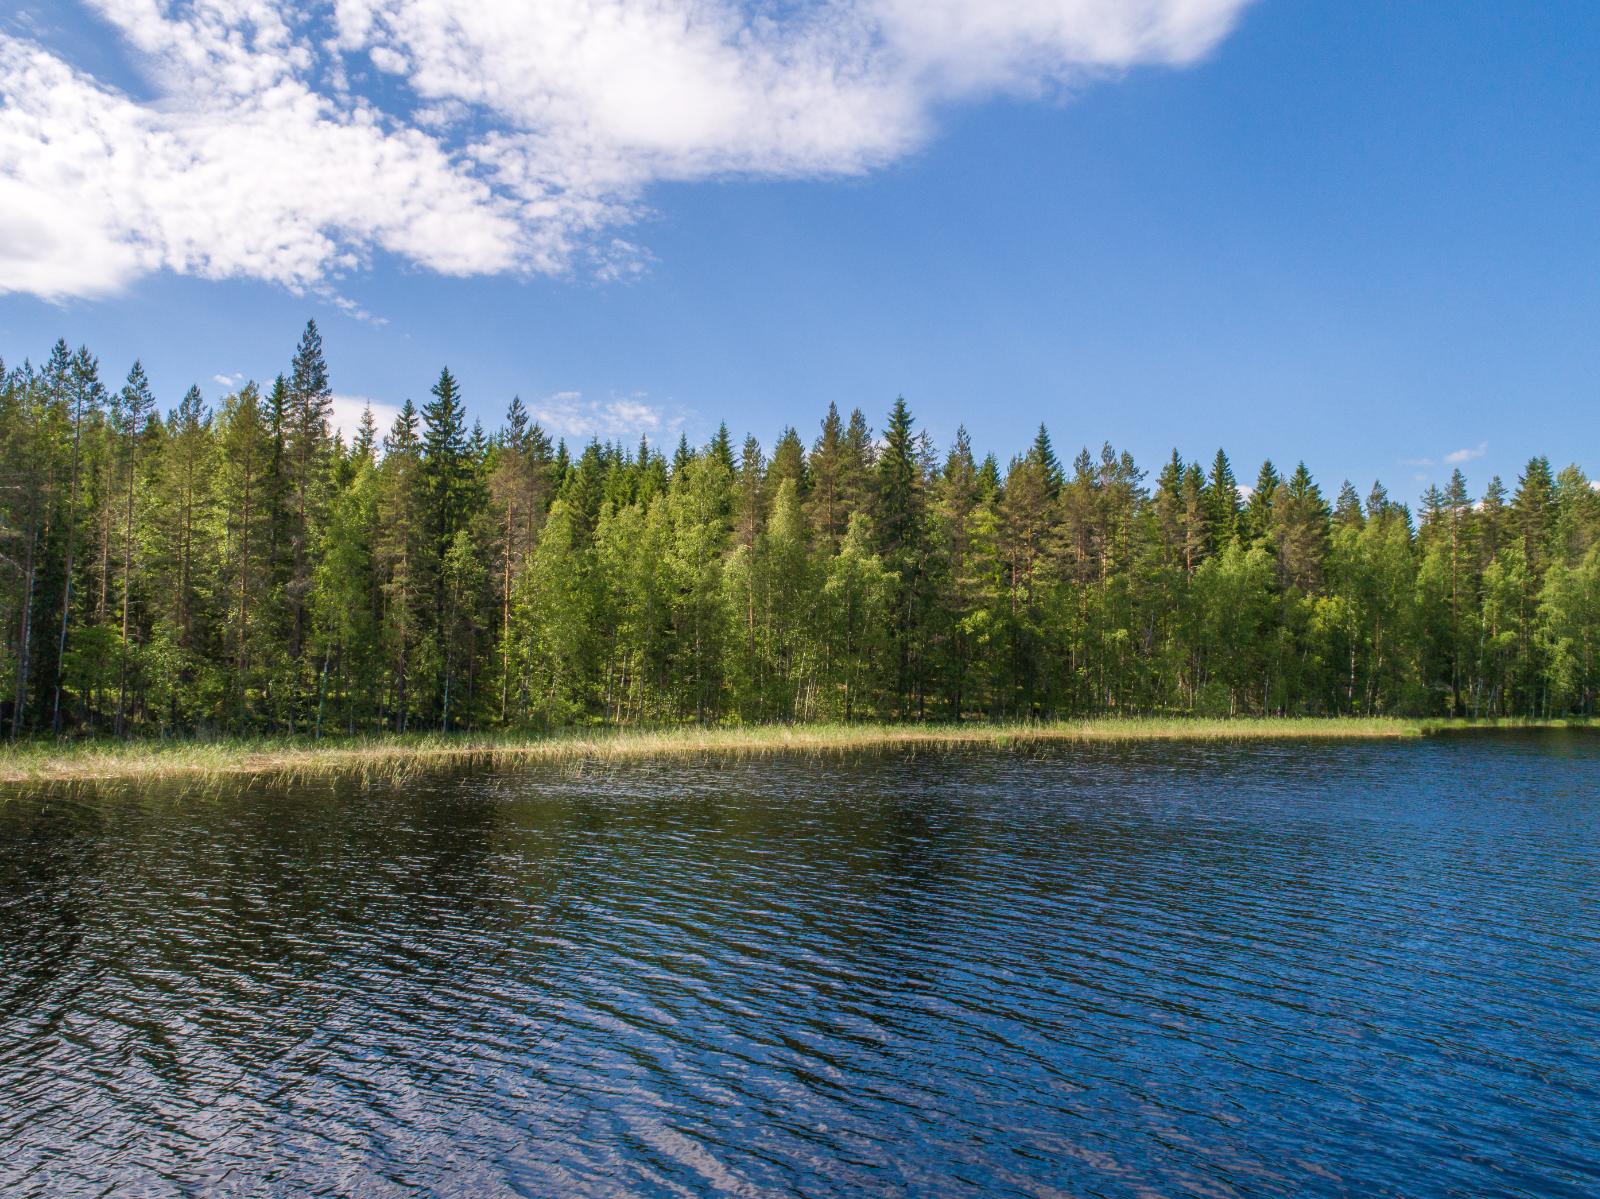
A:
(1355, 969)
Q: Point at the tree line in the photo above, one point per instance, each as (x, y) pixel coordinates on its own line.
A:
(242, 569)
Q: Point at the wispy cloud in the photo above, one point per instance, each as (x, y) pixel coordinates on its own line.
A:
(291, 142)
(1458, 457)
(228, 381)
(1452, 458)
(346, 415)
(569, 414)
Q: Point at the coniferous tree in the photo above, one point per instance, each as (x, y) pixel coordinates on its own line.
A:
(1222, 505)
(86, 392)
(402, 561)
(1300, 520)
(788, 465)
(243, 460)
(138, 403)
(248, 571)
(1257, 516)
(900, 523)
(751, 487)
(1533, 510)
(306, 446)
(1347, 511)
(830, 497)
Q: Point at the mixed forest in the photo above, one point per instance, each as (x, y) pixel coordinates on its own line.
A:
(242, 569)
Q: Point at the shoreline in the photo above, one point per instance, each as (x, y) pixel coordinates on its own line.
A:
(39, 763)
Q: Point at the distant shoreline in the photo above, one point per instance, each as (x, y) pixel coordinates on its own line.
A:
(41, 762)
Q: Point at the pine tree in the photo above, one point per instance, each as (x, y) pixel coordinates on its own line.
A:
(788, 465)
(1257, 517)
(1300, 530)
(244, 454)
(721, 448)
(1379, 504)
(829, 499)
(366, 442)
(183, 515)
(1492, 518)
(751, 487)
(682, 458)
(163, 560)
(306, 445)
(519, 487)
(1456, 536)
(137, 405)
(444, 456)
(957, 496)
(86, 391)
(1196, 537)
(401, 560)
(900, 522)
(446, 477)
(1027, 529)
(1169, 509)
(1347, 510)
(1533, 510)
(1043, 455)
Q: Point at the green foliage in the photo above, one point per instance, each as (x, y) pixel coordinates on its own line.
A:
(241, 570)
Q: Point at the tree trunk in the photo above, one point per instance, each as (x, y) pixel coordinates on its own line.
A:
(66, 587)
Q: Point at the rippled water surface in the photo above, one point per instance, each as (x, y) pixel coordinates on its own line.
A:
(1358, 969)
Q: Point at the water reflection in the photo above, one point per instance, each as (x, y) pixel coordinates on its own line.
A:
(1329, 970)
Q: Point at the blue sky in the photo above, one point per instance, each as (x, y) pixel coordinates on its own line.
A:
(1362, 234)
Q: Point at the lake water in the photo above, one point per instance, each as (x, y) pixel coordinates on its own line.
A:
(1336, 969)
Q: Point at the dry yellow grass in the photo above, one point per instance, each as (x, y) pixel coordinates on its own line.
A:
(42, 762)
(396, 756)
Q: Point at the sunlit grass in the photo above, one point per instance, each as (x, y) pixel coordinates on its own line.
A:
(393, 756)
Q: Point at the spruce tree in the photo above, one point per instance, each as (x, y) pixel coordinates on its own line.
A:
(730, 587)
(1222, 504)
(1347, 511)
(1300, 527)
(829, 499)
(1044, 455)
(1257, 517)
(1533, 509)
(137, 405)
(86, 392)
(243, 453)
(750, 512)
(788, 464)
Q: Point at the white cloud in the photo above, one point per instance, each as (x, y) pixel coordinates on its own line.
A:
(513, 136)
(346, 415)
(568, 414)
(1457, 457)
(228, 381)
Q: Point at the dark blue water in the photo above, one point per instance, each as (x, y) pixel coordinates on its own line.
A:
(1363, 969)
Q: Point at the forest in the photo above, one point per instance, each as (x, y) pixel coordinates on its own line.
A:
(243, 570)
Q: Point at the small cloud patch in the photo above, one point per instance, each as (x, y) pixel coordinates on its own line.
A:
(569, 414)
(1457, 457)
(346, 415)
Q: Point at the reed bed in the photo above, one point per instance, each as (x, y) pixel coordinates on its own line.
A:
(395, 756)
